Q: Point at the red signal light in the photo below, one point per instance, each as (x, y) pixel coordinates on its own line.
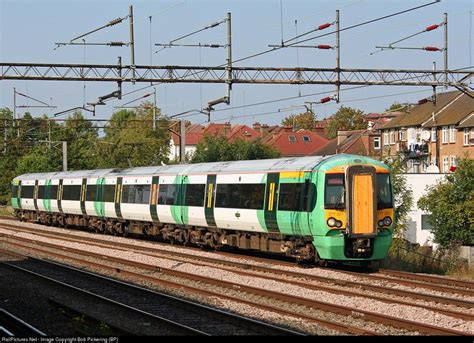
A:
(326, 99)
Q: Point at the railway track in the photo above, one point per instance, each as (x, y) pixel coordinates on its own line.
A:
(266, 272)
(172, 315)
(11, 326)
(340, 310)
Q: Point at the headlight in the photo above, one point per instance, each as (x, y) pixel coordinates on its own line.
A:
(332, 221)
(387, 221)
(380, 223)
(338, 223)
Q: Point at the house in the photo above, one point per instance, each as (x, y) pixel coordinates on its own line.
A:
(431, 136)
(194, 134)
(360, 142)
(293, 143)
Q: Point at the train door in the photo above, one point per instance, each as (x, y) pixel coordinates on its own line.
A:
(362, 204)
(99, 203)
(209, 200)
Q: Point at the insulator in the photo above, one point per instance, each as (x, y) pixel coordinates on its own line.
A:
(147, 95)
(116, 44)
(115, 22)
(214, 46)
(431, 48)
(213, 25)
(326, 99)
(422, 101)
(324, 26)
(323, 46)
(432, 27)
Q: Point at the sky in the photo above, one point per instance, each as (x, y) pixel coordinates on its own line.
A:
(29, 30)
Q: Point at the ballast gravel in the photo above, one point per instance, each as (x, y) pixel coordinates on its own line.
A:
(394, 310)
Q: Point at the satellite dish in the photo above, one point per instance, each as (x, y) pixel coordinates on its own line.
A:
(432, 169)
(425, 135)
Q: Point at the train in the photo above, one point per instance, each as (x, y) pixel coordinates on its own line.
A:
(317, 209)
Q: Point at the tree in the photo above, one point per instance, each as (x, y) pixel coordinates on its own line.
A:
(304, 120)
(403, 197)
(346, 118)
(451, 204)
(397, 107)
(217, 148)
(130, 140)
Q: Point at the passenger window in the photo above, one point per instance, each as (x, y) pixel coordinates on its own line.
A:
(91, 192)
(194, 195)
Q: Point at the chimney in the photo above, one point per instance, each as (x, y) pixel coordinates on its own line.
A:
(263, 130)
(227, 128)
(341, 136)
(257, 126)
(287, 128)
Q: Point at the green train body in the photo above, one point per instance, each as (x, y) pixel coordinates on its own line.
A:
(332, 208)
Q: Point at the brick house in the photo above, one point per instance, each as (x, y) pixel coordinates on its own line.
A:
(293, 143)
(432, 135)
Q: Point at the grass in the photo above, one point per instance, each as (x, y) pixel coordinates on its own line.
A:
(425, 260)
(6, 211)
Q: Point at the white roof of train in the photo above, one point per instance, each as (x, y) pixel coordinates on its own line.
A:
(279, 164)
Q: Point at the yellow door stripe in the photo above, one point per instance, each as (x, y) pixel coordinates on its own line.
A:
(209, 195)
(272, 196)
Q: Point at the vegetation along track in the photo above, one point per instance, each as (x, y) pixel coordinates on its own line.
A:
(172, 315)
(365, 315)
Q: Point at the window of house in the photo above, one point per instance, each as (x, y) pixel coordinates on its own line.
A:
(292, 138)
(385, 137)
(466, 137)
(445, 164)
(453, 161)
(377, 143)
(433, 134)
(452, 134)
(306, 139)
(445, 135)
(401, 135)
(425, 222)
(392, 136)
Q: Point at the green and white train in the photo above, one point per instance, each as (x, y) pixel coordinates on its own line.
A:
(332, 208)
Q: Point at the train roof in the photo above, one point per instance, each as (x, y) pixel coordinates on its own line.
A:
(279, 164)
